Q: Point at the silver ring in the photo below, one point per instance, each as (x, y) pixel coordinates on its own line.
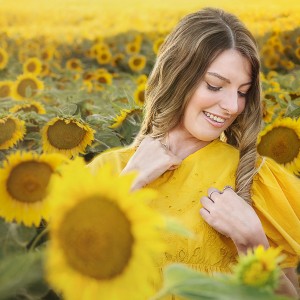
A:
(209, 196)
(227, 187)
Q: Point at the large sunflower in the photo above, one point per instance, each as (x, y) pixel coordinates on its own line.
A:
(30, 106)
(104, 238)
(27, 86)
(33, 66)
(24, 180)
(137, 62)
(281, 141)
(6, 88)
(3, 58)
(12, 131)
(68, 136)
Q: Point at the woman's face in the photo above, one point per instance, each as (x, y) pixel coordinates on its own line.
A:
(219, 98)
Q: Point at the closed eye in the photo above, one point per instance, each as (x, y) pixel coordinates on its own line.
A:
(242, 94)
(213, 88)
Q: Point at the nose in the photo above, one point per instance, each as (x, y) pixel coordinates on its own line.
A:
(230, 103)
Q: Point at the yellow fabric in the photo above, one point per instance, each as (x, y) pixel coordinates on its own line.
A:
(275, 199)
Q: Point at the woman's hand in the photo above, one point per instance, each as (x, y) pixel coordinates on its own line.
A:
(151, 160)
(230, 215)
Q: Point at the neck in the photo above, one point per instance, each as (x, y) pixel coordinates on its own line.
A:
(182, 143)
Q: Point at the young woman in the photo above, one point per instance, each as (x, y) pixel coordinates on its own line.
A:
(197, 147)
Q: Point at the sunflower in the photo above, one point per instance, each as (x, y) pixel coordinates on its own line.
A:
(98, 48)
(47, 53)
(68, 136)
(45, 70)
(142, 79)
(26, 86)
(122, 116)
(259, 268)
(31, 106)
(33, 66)
(24, 180)
(156, 45)
(104, 57)
(3, 58)
(6, 88)
(103, 78)
(271, 61)
(103, 238)
(281, 141)
(133, 48)
(137, 62)
(139, 95)
(287, 64)
(117, 59)
(74, 64)
(12, 131)
(297, 53)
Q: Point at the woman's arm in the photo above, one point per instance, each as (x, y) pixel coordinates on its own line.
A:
(289, 282)
(230, 215)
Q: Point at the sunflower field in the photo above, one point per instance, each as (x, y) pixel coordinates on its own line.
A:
(72, 79)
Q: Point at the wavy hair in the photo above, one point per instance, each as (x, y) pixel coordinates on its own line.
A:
(182, 62)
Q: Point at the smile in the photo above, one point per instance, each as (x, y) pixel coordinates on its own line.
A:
(214, 118)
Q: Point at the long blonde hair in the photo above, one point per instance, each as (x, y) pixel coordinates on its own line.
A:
(181, 64)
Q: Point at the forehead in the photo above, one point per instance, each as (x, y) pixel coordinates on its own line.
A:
(232, 65)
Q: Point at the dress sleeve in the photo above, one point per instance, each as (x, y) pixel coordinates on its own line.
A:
(275, 196)
(116, 157)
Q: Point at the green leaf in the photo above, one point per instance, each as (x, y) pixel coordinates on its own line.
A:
(18, 272)
(293, 111)
(182, 281)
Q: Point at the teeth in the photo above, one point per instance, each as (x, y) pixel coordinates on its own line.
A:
(215, 118)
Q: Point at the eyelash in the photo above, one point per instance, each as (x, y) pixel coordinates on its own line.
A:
(216, 89)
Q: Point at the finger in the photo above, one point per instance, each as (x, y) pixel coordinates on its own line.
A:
(212, 192)
(207, 203)
(205, 214)
(175, 161)
(227, 187)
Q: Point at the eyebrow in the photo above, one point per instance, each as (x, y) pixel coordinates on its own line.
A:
(225, 79)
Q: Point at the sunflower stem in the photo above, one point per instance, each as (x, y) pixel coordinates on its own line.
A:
(38, 238)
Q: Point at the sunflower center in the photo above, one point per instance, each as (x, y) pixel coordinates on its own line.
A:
(104, 56)
(28, 181)
(96, 238)
(4, 90)
(65, 136)
(7, 130)
(31, 67)
(74, 65)
(281, 143)
(29, 108)
(1, 58)
(141, 96)
(137, 62)
(26, 84)
(102, 79)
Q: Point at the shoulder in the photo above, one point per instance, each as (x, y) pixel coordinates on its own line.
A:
(222, 150)
(117, 157)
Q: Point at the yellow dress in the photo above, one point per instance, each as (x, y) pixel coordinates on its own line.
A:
(275, 195)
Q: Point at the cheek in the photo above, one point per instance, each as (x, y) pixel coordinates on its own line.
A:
(241, 106)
